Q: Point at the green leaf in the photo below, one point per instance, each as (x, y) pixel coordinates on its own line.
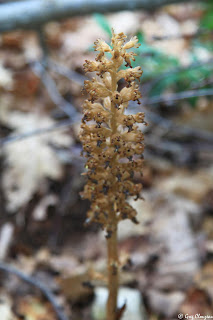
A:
(207, 21)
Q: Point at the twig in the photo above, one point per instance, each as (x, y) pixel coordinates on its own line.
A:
(39, 68)
(169, 125)
(64, 71)
(180, 130)
(178, 96)
(34, 282)
(44, 47)
(29, 134)
(202, 83)
(154, 117)
(52, 90)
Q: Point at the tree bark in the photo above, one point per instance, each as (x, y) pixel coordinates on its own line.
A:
(32, 13)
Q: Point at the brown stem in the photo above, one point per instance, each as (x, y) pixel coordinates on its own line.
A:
(112, 241)
(113, 272)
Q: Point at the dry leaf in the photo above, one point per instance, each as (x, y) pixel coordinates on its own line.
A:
(72, 285)
(165, 303)
(204, 279)
(33, 309)
(30, 160)
(196, 303)
(6, 79)
(172, 228)
(192, 186)
(5, 309)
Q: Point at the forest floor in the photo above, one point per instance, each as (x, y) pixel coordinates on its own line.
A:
(168, 256)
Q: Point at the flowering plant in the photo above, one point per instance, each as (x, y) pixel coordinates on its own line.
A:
(113, 146)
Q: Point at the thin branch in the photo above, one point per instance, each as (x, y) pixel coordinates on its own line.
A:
(34, 282)
(154, 117)
(40, 69)
(52, 90)
(29, 134)
(202, 83)
(168, 98)
(64, 71)
(180, 130)
(33, 13)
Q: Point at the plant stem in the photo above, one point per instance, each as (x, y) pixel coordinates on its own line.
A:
(112, 241)
(113, 275)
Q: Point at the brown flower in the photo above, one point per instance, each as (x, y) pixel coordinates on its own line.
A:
(111, 140)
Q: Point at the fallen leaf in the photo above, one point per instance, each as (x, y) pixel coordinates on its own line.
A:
(6, 78)
(204, 279)
(34, 309)
(6, 309)
(192, 186)
(72, 286)
(31, 160)
(166, 304)
(196, 302)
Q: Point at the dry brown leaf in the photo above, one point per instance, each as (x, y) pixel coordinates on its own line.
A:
(204, 279)
(34, 309)
(72, 285)
(13, 40)
(192, 186)
(26, 84)
(196, 302)
(31, 160)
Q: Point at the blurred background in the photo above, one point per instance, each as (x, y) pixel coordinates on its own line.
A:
(169, 255)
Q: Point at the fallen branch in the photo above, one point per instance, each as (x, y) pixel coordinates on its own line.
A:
(33, 13)
(154, 117)
(29, 134)
(169, 125)
(34, 282)
(168, 98)
(52, 90)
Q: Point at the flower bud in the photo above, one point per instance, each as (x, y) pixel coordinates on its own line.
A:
(133, 43)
